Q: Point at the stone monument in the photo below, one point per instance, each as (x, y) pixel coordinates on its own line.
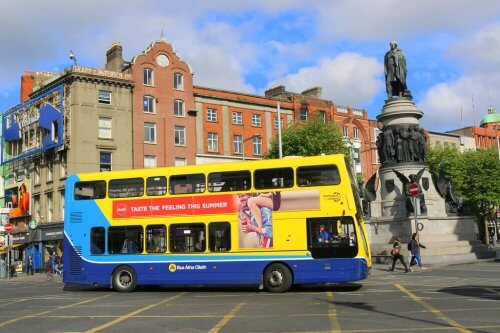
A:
(401, 144)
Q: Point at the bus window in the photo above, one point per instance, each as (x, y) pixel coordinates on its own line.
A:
(318, 175)
(156, 241)
(273, 178)
(97, 238)
(125, 239)
(187, 237)
(332, 237)
(90, 190)
(219, 237)
(156, 186)
(229, 181)
(185, 184)
(126, 188)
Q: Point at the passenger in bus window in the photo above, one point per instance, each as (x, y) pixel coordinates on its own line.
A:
(131, 247)
(352, 239)
(94, 248)
(324, 236)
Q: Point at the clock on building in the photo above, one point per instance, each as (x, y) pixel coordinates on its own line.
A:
(162, 60)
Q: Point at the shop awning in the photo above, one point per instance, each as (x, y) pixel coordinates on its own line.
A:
(3, 249)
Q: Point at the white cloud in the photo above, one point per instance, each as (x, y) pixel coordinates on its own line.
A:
(479, 55)
(348, 79)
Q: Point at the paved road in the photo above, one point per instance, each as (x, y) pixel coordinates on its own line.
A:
(461, 298)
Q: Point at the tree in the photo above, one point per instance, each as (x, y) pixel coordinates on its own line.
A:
(310, 138)
(475, 176)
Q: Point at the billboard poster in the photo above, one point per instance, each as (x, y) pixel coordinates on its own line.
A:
(18, 199)
(33, 126)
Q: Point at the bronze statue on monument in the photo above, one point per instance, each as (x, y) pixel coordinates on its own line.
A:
(395, 72)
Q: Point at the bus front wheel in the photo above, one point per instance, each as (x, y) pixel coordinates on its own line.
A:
(124, 279)
(277, 278)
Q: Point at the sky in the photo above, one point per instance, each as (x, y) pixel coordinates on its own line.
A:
(452, 46)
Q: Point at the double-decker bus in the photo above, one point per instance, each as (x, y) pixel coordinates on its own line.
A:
(269, 223)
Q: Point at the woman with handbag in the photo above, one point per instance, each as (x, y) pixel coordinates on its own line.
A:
(396, 247)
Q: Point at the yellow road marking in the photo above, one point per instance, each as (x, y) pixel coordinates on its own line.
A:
(14, 302)
(226, 318)
(432, 309)
(5, 323)
(131, 314)
(332, 314)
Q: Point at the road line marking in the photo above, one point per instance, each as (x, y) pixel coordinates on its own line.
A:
(14, 302)
(332, 314)
(433, 309)
(48, 311)
(226, 318)
(131, 314)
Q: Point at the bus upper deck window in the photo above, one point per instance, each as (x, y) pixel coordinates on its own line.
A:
(126, 188)
(318, 175)
(185, 184)
(273, 178)
(229, 181)
(90, 190)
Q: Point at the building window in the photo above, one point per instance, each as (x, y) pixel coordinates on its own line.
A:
(62, 203)
(355, 132)
(322, 116)
(50, 206)
(148, 77)
(276, 122)
(149, 161)
(149, 133)
(37, 173)
(179, 108)
(50, 169)
(178, 81)
(179, 135)
(345, 131)
(257, 145)
(63, 165)
(104, 128)
(256, 120)
(36, 208)
(237, 118)
(213, 142)
(180, 161)
(148, 104)
(238, 144)
(104, 161)
(212, 115)
(104, 97)
(303, 114)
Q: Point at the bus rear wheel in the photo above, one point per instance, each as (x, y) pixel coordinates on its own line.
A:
(277, 278)
(124, 279)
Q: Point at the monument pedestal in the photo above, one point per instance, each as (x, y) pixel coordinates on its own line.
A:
(401, 146)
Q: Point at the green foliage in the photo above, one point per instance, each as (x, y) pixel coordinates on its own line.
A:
(476, 175)
(309, 138)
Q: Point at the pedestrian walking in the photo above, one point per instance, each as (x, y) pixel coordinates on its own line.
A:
(414, 247)
(395, 252)
(30, 269)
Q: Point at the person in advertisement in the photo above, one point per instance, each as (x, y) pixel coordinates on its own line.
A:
(262, 223)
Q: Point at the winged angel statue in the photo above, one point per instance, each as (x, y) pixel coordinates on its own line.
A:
(444, 185)
(406, 181)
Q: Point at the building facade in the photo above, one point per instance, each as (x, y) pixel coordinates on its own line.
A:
(77, 121)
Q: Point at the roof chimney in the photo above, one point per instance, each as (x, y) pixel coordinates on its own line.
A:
(114, 58)
(277, 91)
(314, 92)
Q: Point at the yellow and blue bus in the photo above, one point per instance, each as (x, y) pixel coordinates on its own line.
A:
(269, 223)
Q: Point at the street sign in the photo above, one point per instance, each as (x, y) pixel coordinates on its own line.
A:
(413, 189)
(8, 227)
